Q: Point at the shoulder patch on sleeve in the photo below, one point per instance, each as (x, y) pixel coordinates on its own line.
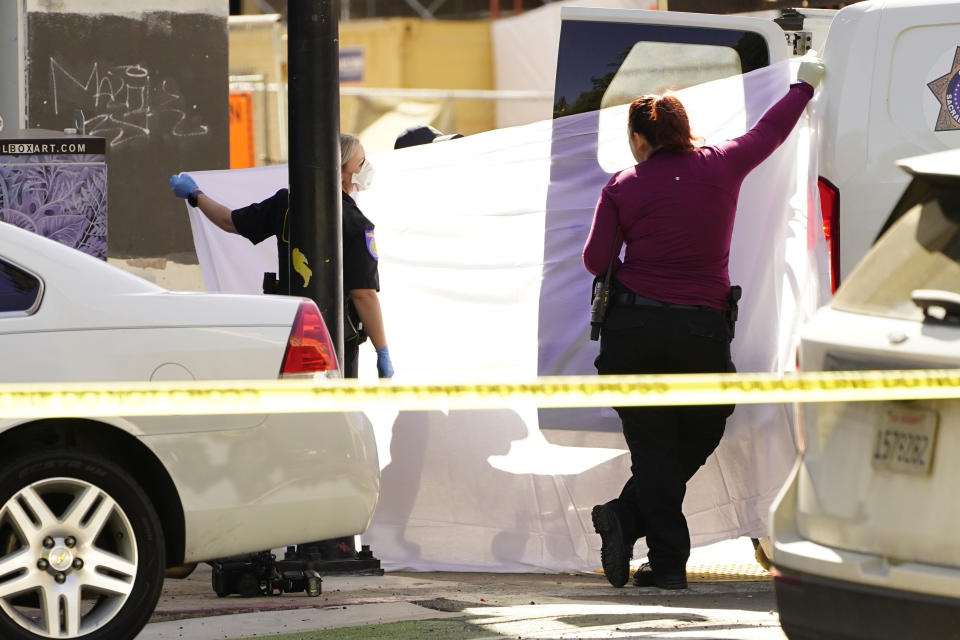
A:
(371, 244)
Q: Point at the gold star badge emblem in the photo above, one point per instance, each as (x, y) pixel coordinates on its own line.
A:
(947, 90)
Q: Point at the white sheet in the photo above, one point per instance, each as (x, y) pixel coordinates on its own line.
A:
(479, 242)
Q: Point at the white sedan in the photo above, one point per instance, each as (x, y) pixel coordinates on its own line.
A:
(93, 511)
(865, 532)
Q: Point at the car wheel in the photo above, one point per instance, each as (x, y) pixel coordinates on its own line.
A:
(760, 553)
(81, 549)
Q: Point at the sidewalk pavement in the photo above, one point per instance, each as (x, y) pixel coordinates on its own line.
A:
(189, 608)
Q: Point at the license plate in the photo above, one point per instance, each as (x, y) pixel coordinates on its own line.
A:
(905, 441)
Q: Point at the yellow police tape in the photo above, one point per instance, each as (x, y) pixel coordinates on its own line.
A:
(307, 396)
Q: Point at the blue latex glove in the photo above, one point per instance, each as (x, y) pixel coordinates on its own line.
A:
(182, 185)
(384, 366)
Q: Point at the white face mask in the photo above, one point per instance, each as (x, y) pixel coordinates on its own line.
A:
(364, 178)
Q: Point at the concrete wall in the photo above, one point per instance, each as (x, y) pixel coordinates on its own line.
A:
(12, 92)
(454, 55)
(422, 54)
(392, 53)
(151, 79)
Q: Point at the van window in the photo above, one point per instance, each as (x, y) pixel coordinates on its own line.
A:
(19, 291)
(604, 64)
(920, 251)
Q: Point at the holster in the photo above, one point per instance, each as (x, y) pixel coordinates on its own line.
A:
(736, 292)
(352, 325)
(602, 290)
(599, 305)
(271, 283)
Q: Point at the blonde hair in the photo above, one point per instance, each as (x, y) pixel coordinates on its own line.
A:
(348, 146)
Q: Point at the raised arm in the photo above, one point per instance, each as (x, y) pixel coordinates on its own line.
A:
(216, 212)
(753, 147)
(184, 187)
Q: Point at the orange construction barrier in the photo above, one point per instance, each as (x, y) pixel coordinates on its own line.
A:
(241, 130)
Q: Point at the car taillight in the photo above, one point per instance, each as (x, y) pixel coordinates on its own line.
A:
(830, 207)
(785, 577)
(309, 348)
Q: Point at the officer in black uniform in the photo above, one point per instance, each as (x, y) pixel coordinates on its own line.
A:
(361, 280)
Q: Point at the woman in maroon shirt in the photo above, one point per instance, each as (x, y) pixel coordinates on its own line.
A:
(674, 210)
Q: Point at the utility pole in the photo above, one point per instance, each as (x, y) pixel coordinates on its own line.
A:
(315, 221)
(315, 262)
(316, 244)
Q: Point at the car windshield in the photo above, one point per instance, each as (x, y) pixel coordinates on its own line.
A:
(920, 251)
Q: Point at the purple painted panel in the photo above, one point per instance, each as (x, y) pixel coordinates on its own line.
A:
(61, 197)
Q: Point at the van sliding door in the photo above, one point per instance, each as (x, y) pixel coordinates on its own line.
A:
(608, 58)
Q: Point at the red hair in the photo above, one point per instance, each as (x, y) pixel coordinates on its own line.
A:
(662, 120)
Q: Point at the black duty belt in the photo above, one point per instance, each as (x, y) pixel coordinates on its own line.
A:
(634, 299)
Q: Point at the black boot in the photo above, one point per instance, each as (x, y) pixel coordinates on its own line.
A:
(645, 577)
(614, 553)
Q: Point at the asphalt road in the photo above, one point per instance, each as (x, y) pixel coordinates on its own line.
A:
(460, 606)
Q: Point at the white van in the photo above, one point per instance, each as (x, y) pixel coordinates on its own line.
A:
(864, 530)
(891, 88)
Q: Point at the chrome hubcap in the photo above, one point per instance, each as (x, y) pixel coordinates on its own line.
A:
(68, 558)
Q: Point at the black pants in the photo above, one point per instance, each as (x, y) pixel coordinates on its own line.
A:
(351, 358)
(352, 339)
(667, 444)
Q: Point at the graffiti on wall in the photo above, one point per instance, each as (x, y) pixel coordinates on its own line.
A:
(124, 102)
(152, 86)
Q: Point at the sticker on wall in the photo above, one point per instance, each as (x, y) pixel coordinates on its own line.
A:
(351, 64)
(56, 187)
(302, 266)
(947, 90)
